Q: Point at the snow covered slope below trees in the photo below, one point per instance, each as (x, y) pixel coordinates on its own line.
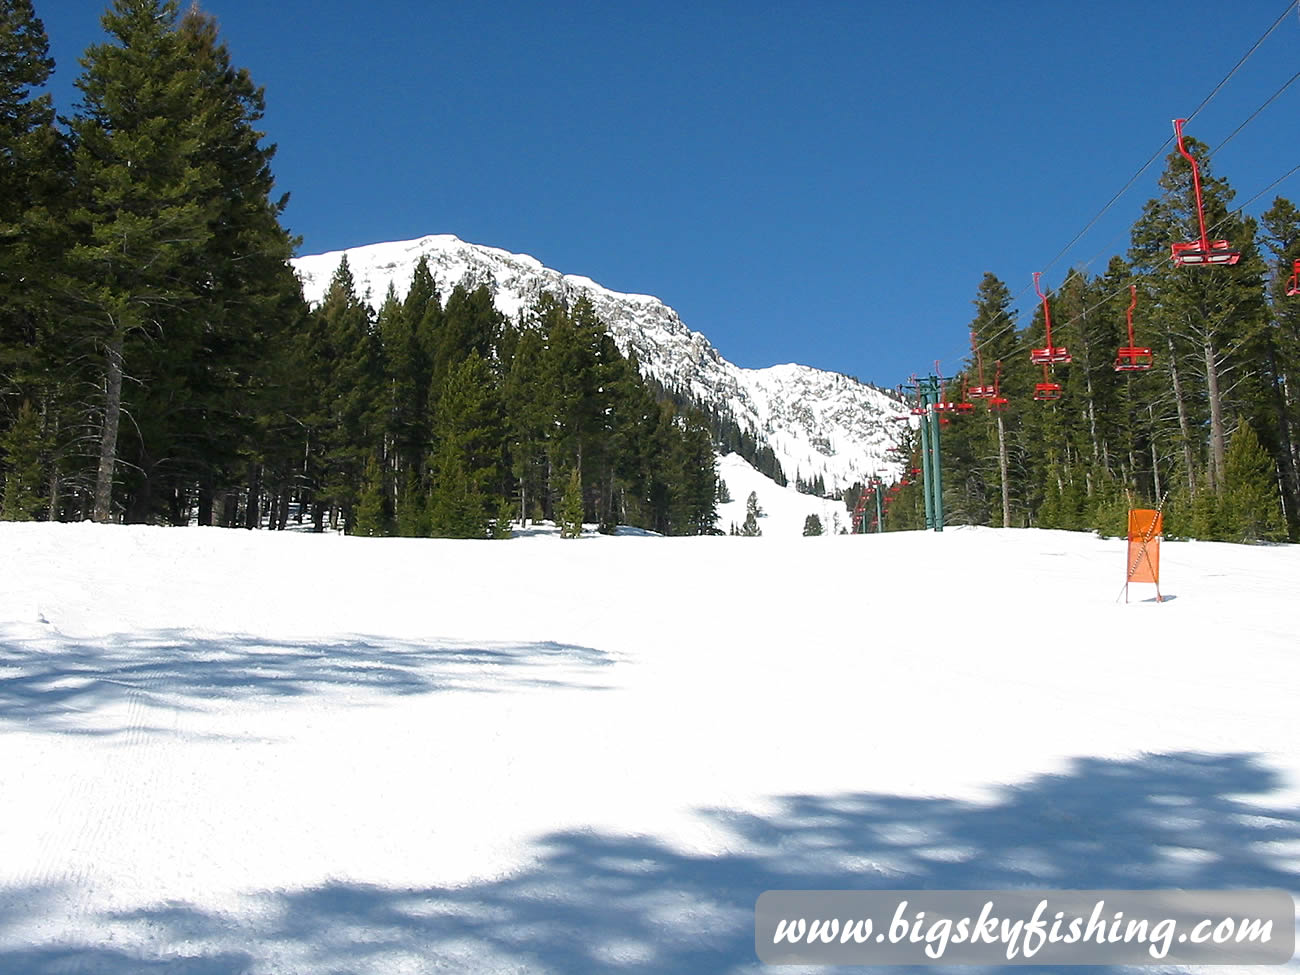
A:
(256, 752)
(816, 422)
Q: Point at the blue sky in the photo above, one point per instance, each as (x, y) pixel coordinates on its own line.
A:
(818, 182)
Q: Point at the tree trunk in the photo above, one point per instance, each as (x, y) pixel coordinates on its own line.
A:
(1184, 424)
(1092, 426)
(1155, 457)
(205, 504)
(108, 435)
(252, 514)
(1286, 448)
(1002, 470)
(1218, 438)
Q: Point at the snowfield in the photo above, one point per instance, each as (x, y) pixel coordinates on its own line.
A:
(248, 752)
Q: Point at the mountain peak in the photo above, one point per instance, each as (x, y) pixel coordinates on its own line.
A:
(816, 422)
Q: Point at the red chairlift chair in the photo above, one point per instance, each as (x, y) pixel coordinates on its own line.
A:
(980, 391)
(1293, 288)
(1203, 252)
(964, 407)
(944, 405)
(919, 409)
(1131, 358)
(997, 402)
(1050, 354)
(1047, 391)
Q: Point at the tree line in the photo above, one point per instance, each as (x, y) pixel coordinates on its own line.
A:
(1209, 429)
(158, 363)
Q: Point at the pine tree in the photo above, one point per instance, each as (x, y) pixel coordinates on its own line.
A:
(34, 183)
(373, 518)
(225, 401)
(468, 460)
(23, 497)
(571, 507)
(812, 525)
(457, 508)
(412, 507)
(346, 365)
(147, 197)
(501, 524)
(528, 419)
(693, 484)
(753, 512)
(1251, 505)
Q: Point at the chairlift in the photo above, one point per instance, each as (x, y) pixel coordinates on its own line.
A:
(1203, 252)
(1050, 354)
(979, 391)
(1047, 391)
(919, 409)
(997, 402)
(1131, 358)
(964, 407)
(1293, 288)
(945, 405)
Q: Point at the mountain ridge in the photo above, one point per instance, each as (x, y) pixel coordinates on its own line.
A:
(817, 422)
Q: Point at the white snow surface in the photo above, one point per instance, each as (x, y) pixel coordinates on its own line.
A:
(250, 752)
(817, 422)
(784, 510)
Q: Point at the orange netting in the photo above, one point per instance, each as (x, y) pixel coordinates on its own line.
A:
(1144, 528)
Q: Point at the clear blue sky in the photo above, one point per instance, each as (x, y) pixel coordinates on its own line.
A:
(816, 182)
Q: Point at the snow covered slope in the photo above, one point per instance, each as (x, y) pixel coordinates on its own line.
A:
(817, 422)
(249, 753)
(784, 510)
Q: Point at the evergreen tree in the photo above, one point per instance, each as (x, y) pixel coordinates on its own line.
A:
(457, 508)
(23, 497)
(225, 401)
(345, 360)
(34, 181)
(468, 460)
(812, 525)
(528, 420)
(501, 525)
(1251, 505)
(412, 507)
(571, 507)
(694, 484)
(147, 198)
(373, 518)
(750, 527)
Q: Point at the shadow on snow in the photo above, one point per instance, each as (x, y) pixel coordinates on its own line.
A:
(595, 902)
(44, 688)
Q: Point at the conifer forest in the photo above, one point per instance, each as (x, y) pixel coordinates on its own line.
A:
(158, 363)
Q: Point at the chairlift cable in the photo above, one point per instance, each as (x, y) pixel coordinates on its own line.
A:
(1199, 108)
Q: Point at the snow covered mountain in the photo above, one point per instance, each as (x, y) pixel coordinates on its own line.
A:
(816, 422)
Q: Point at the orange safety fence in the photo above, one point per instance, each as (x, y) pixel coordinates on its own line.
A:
(1144, 527)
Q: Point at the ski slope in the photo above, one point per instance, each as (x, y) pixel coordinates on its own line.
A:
(249, 752)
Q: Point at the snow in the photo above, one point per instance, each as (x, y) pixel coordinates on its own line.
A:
(251, 752)
(784, 510)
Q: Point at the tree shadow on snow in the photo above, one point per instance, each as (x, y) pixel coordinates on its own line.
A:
(596, 902)
(61, 689)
